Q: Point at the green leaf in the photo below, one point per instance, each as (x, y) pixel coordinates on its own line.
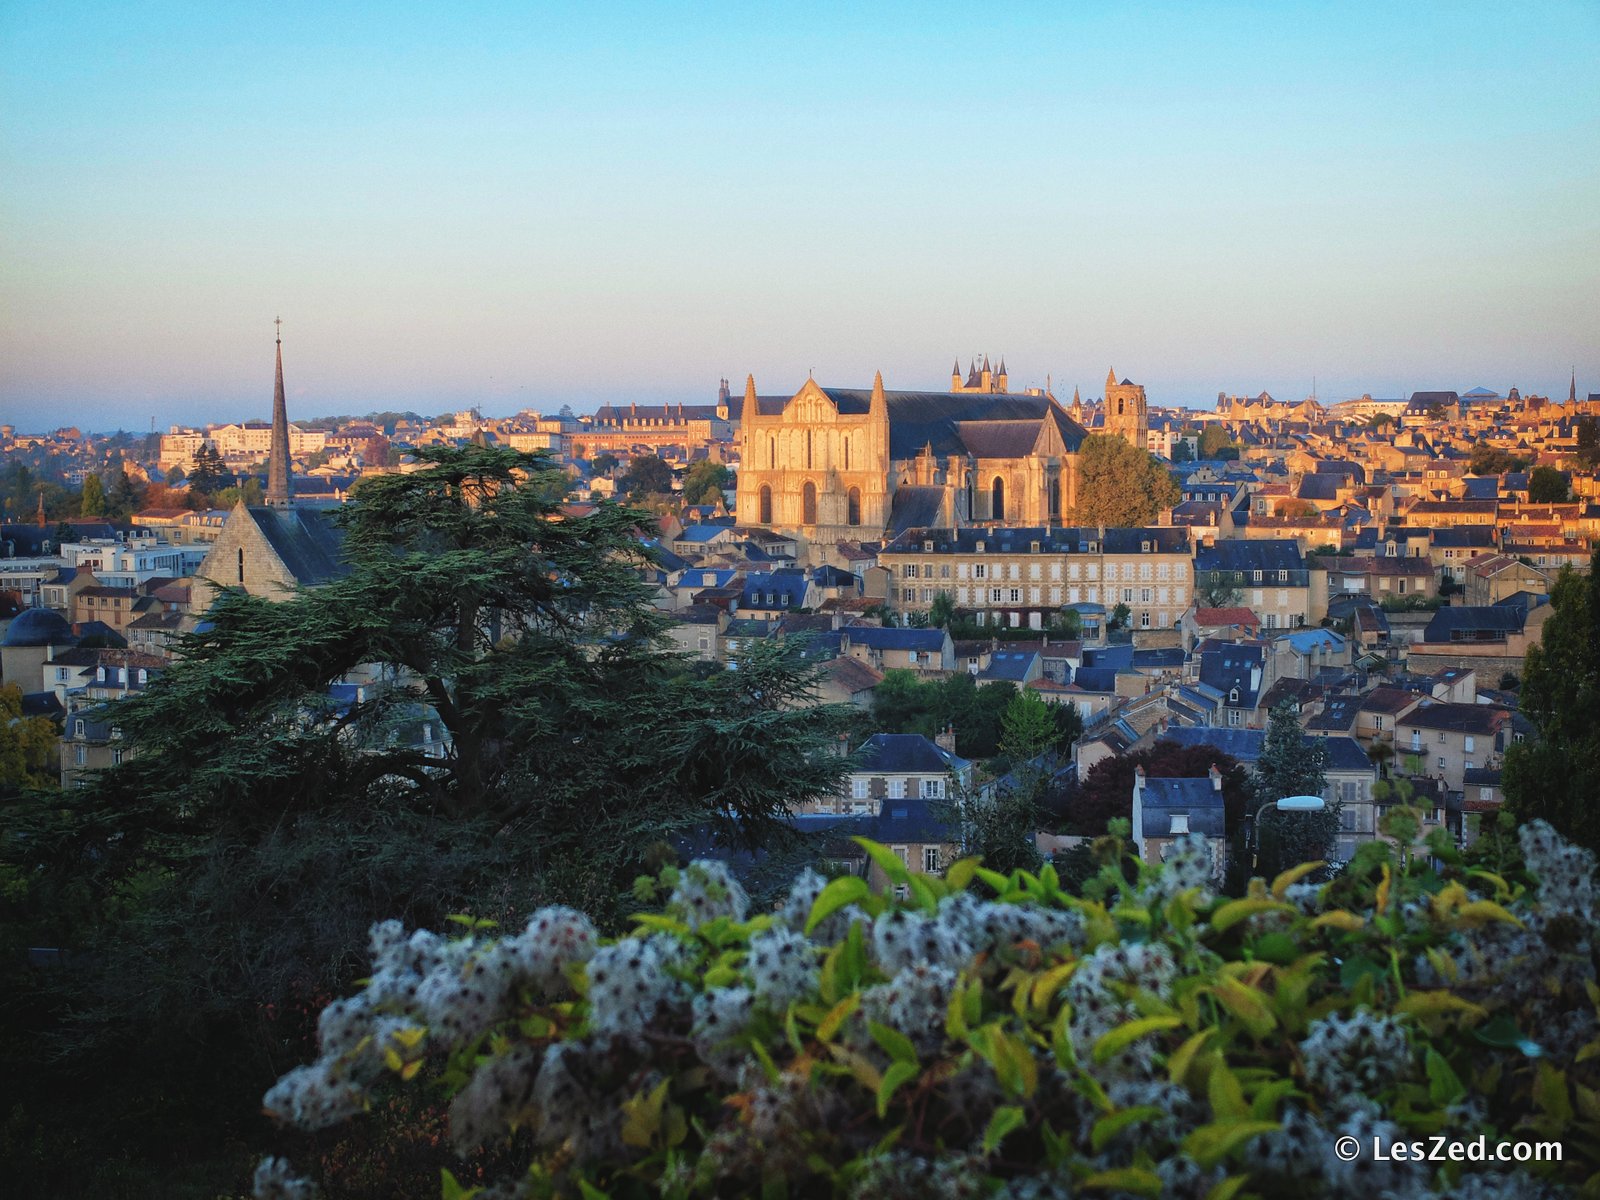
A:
(897, 1074)
(588, 1191)
(887, 860)
(846, 889)
(1550, 1094)
(1125, 1179)
(837, 1017)
(451, 1189)
(1234, 911)
(1006, 1119)
(895, 1044)
(1225, 1094)
(1179, 1061)
(1210, 1144)
(1108, 1127)
(1444, 1085)
(1228, 1188)
(641, 1116)
(960, 873)
(1125, 1035)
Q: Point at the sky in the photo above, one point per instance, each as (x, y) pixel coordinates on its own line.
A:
(519, 205)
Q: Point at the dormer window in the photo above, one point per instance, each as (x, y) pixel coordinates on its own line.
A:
(1233, 695)
(927, 547)
(1144, 547)
(77, 729)
(1180, 823)
(980, 547)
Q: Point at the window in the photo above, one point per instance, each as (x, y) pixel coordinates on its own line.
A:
(766, 505)
(858, 788)
(978, 570)
(853, 503)
(1471, 744)
(995, 594)
(897, 788)
(1233, 716)
(930, 860)
(808, 503)
(933, 789)
(1441, 737)
(1441, 762)
(1016, 595)
(1144, 620)
(241, 565)
(908, 570)
(997, 499)
(1144, 595)
(77, 729)
(1416, 739)
(82, 755)
(116, 757)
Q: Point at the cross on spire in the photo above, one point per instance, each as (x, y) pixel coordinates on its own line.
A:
(278, 321)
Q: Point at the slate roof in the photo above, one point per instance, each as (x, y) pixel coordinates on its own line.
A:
(1495, 619)
(1095, 679)
(1009, 666)
(1243, 745)
(918, 419)
(773, 589)
(1455, 718)
(998, 439)
(895, 639)
(904, 753)
(915, 505)
(306, 539)
(898, 822)
(38, 627)
(1163, 799)
(1254, 554)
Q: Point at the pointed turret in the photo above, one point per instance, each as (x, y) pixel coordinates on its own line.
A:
(280, 493)
(1572, 388)
(1111, 379)
(879, 410)
(751, 410)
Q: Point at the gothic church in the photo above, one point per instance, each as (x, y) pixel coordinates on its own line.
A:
(845, 464)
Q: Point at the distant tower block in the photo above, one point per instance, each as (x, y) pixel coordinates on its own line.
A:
(280, 492)
(1125, 411)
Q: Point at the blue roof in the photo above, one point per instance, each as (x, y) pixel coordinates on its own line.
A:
(38, 627)
(1243, 745)
(1096, 679)
(1165, 798)
(1013, 665)
(905, 752)
(1307, 640)
(1254, 554)
(774, 589)
(1113, 658)
(895, 639)
(701, 533)
(898, 822)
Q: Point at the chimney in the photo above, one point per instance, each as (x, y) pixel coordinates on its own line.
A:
(947, 739)
(1138, 811)
(1216, 778)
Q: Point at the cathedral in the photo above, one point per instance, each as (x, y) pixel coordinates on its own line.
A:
(847, 464)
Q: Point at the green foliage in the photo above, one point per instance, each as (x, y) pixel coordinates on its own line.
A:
(1142, 1037)
(942, 611)
(219, 875)
(1492, 460)
(1292, 765)
(604, 463)
(1120, 616)
(27, 746)
(124, 497)
(1218, 589)
(1181, 453)
(1120, 484)
(1411, 602)
(902, 703)
(249, 491)
(1105, 794)
(704, 482)
(1588, 441)
(94, 496)
(1555, 774)
(1214, 439)
(1546, 485)
(647, 475)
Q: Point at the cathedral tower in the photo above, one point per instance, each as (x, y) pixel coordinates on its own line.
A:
(280, 492)
(1125, 415)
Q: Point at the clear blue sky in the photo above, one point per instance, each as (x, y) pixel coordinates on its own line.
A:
(525, 205)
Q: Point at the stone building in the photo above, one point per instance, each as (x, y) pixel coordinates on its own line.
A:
(1126, 416)
(844, 464)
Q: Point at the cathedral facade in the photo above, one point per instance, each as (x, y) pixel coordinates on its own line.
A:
(845, 464)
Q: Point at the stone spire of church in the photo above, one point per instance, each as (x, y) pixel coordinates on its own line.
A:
(751, 410)
(880, 405)
(280, 493)
(1572, 388)
(1111, 378)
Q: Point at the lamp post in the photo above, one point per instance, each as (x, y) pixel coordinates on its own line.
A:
(1283, 804)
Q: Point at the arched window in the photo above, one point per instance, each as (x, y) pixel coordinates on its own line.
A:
(241, 565)
(766, 505)
(972, 499)
(1120, 403)
(847, 455)
(808, 449)
(808, 504)
(1055, 497)
(853, 517)
(772, 452)
(997, 499)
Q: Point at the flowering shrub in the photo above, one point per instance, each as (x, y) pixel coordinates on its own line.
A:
(1146, 1039)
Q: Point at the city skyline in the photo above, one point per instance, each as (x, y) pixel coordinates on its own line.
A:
(555, 206)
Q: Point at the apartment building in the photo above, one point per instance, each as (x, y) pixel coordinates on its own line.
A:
(1019, 576)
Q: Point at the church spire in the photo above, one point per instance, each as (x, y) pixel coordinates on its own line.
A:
(879, 407)
(280, 494)
(1572, 388)
(1111, 378)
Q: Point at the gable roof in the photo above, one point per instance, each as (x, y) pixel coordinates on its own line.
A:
(893, 753)
(307, 540)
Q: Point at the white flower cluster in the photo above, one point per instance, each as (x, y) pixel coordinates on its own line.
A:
(1098, 1006)
(915, 1002)
(783, 966)
(631, 981)
(899, 1175)
(276, 1179)
(1566, 873)
(1359, 1053)
(1189, 863)
(706, 890)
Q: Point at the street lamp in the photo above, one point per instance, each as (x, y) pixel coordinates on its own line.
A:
(1284, 804)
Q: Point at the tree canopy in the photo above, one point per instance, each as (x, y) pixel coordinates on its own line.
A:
(1292, 765)
(1120, 484)
(703, 483)
(1546, 485)
(482, 714)
(647, 475)
(1106, 792)
(1555, 774)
